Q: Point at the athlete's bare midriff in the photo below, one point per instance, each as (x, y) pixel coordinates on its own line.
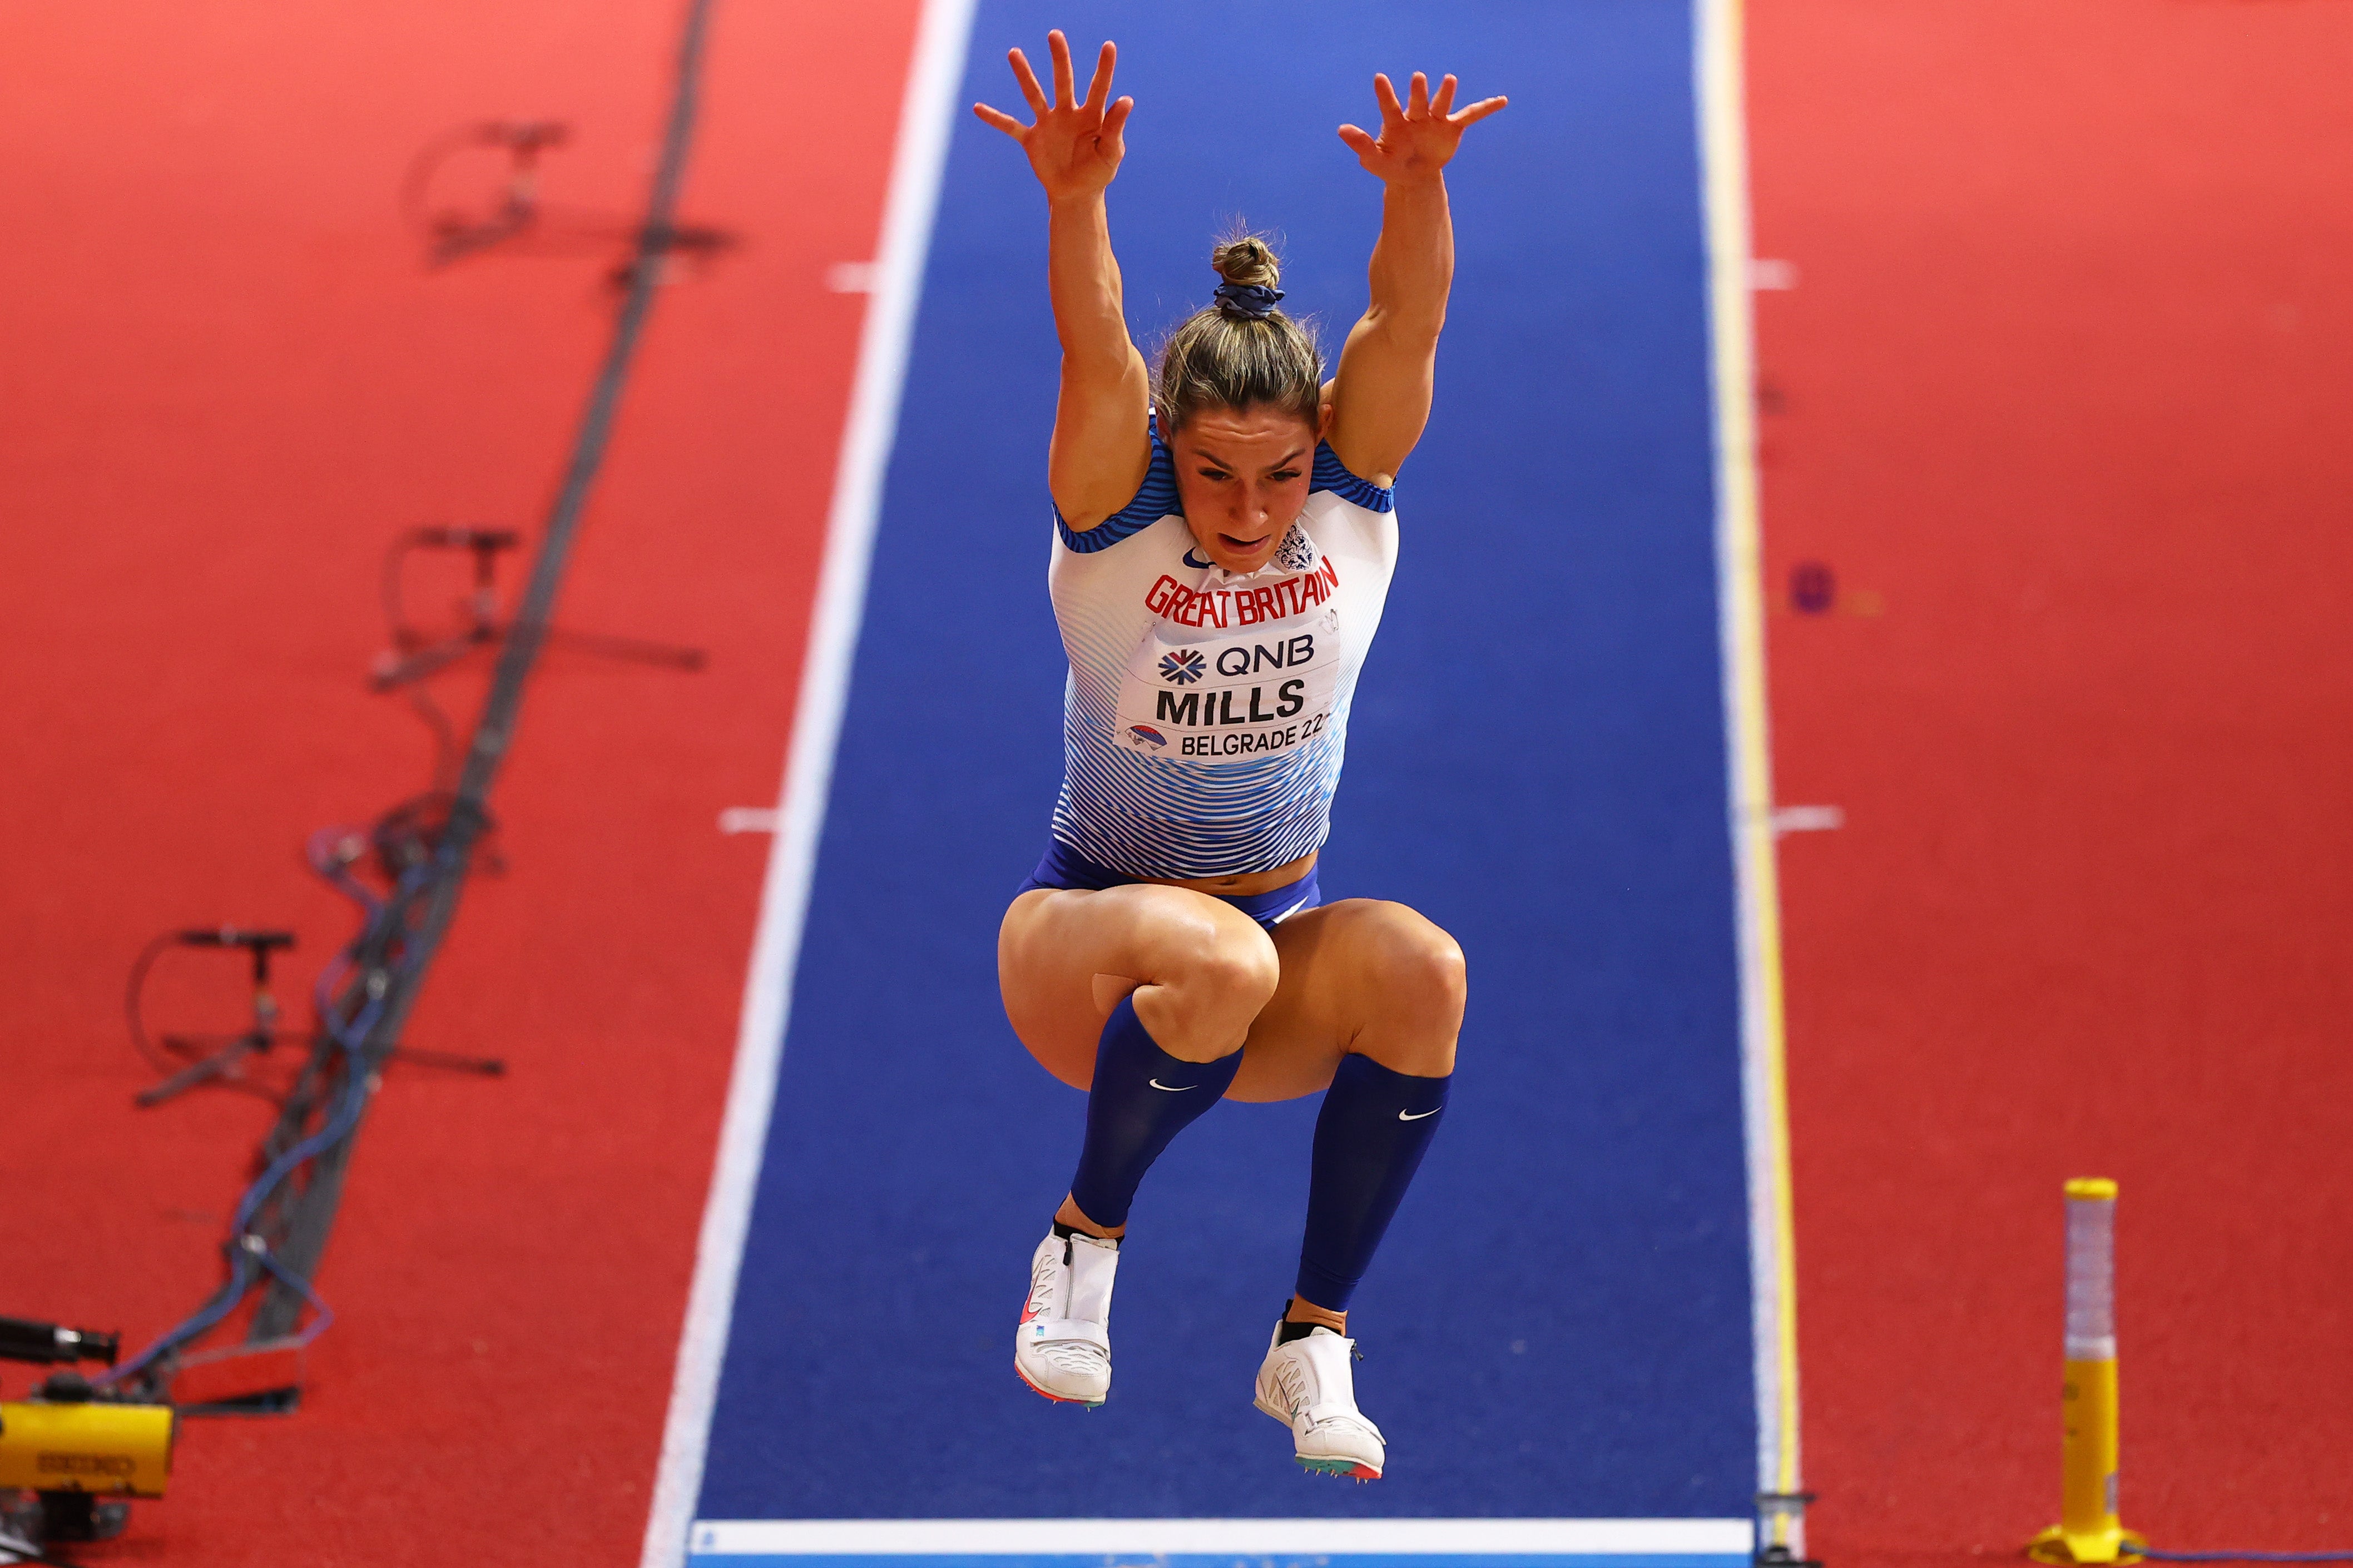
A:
(1241, 884)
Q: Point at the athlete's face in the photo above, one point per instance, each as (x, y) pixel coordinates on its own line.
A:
(1243, 475)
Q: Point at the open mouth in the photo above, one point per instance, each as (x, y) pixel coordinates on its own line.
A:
(1244, 546)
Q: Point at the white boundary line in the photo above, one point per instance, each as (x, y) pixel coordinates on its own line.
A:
(1252, 1537)
(1740, 599)
(925, 117)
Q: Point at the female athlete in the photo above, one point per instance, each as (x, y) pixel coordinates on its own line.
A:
(1225, 543)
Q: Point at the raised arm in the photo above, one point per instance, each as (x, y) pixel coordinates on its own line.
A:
(1101, 452)
(1381, 396)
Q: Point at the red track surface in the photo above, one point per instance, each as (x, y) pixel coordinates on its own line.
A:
(2064, 383)
(2061, 384)
(230, 383)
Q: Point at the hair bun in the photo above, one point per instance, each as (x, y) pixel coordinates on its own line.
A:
(1239, 352)
(1248, 261)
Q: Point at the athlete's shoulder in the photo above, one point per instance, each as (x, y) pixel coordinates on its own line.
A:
(1154, 499)
(1330, 474)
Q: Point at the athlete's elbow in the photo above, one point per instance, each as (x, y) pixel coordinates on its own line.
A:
(1409, 329)
(1093, 369)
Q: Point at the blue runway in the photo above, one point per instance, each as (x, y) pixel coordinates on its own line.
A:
(1558, 1325)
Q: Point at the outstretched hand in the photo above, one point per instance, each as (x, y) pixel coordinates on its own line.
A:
(1418, 136)
(1074, 148)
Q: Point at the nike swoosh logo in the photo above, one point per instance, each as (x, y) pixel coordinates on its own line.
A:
(1172, 1087)
(1403, 1116)
(1190, 562)
(1290, 911)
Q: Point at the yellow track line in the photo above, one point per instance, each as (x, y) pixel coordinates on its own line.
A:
(1725, 162)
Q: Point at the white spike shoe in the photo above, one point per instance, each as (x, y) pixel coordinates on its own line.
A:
(1308, 1386)
(1062, 1348)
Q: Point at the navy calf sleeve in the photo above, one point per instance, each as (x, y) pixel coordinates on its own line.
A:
(1369, 1140)
(1142, 1097)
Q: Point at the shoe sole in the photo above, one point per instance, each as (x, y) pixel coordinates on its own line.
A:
(1057, 1398)
(1349, 1468)
(1343, 1468)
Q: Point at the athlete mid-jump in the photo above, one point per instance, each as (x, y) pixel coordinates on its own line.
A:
(1225, 538)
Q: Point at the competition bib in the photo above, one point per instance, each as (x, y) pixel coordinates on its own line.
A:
(1238, 667)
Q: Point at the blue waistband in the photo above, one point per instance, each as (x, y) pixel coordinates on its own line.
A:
(1065, 867)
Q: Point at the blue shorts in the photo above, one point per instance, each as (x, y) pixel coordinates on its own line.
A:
(1066, 869)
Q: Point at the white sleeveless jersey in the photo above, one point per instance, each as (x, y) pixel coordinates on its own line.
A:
(1206, 714)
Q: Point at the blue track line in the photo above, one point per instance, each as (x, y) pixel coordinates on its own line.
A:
(1559, 1323)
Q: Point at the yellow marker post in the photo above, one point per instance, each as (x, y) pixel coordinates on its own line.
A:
(2088, 1530)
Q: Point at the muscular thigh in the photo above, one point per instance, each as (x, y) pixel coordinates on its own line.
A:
(1363, 976)
(1066, 956)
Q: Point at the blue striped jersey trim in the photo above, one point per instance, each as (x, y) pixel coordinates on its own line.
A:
(1332, 474)
(1155, 501)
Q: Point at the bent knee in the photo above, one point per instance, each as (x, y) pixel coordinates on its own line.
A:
(1239, 964)
(1415, 984)
(1414, 962)
(1217, 954)
(1432, 964)
(1210, 980)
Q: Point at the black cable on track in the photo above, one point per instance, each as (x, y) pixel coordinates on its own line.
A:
(297, 1222)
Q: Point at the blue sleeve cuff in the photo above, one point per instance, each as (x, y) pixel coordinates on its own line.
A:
(1332, 474)
(1155, 501)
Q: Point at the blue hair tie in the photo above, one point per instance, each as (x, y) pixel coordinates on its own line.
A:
(1254, 301)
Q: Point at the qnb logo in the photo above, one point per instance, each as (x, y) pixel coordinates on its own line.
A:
(1182, 667)
(1145, 732)
(1235, 659)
